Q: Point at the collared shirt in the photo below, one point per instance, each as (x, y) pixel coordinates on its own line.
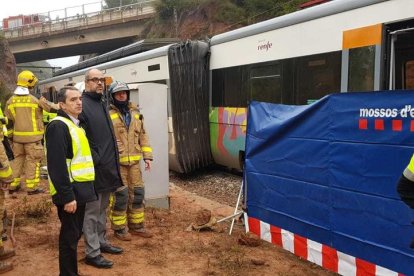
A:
(21, 91)
(74, 120)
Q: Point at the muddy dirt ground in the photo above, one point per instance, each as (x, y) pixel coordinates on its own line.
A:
(172, 250)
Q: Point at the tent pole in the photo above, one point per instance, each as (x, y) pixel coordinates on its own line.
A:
(236, 208)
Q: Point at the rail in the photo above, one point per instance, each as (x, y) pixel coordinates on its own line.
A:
(47, 25)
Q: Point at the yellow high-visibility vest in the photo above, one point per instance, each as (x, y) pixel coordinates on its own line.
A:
(48, 116)
(80, 167)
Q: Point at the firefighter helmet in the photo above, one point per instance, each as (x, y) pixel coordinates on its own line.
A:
(26, 79)
(117, 86)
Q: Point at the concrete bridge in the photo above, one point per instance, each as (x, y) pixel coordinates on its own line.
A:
(88, 33)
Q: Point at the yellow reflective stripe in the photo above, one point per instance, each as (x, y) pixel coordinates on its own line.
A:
(114, 116)
(6, 173)
(130, 158)
(118, 220)
(28, 133)
(146, 149)
(136, 116)
(409, 171)
(32, 105)
(13, 112)
(52, 189)
(34, 123)
(9, 131)
(15, 183)
(36, 179)
(136, 218)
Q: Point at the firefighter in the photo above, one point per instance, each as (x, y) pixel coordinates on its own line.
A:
(6, 177)
(133, 144)
(26, 129)
(405, 188)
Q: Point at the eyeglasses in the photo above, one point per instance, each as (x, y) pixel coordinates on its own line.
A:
(96, 80)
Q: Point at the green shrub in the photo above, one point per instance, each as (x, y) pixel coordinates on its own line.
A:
(229, 13)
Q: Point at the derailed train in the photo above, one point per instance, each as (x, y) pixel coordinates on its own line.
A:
(339, 46)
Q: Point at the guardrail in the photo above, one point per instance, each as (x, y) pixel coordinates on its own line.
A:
(80, 20)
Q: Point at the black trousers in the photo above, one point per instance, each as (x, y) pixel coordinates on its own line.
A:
(70, 233)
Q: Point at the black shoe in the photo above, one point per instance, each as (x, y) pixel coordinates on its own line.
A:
(111, 249)
(99, 262)
(34, 192)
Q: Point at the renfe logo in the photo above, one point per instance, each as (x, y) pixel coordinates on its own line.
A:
(264, 46)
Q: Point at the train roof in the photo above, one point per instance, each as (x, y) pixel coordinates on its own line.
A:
(154, 53)
(326, 9)
(131, 49)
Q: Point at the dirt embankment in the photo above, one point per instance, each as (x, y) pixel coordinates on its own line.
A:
(172, 250)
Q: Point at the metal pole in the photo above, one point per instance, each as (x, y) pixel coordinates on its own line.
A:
(237, 207)
(229, 217)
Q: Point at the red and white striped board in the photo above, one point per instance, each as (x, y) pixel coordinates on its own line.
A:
(315, 252)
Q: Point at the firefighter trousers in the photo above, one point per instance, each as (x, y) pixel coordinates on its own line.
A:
(6, 176)
(127, 203)
(27, 158)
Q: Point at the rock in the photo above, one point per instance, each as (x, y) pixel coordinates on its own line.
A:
(249, 239)
(203, 217)
(257, 261)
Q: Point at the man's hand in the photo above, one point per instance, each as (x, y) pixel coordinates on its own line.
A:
(147, 164)
(70, 207)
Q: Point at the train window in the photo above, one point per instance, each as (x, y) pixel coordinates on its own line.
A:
(409, 74)
(265, 84)
(361, 69)
(317, 76)
(154, 67)
(228, 87)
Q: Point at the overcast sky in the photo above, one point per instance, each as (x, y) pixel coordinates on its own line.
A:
(56, 8)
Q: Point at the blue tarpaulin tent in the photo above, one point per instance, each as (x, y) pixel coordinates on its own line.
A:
(321, 179)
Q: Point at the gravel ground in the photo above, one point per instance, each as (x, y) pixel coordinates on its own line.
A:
(212, 183)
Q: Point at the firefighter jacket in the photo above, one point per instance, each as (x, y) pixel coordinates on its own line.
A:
(25, 118)
(70, 164)
(3, 123)
(133, 142)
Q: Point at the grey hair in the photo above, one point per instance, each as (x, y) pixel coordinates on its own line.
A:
(61, 95)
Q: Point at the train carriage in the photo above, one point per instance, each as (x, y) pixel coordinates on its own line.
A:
(339, 46)
(183, 68)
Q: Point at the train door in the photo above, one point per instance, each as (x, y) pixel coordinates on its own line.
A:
(400, 55)
(152, 101)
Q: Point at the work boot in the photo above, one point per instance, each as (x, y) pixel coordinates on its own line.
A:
(122, 235)
(6, 253)
(14, 190)
(142, 232)
(35, 191)
(5, 267)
